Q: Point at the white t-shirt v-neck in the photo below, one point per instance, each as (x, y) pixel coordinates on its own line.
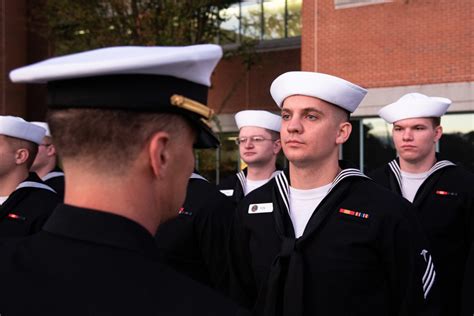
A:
(411, 182)
(302, 205)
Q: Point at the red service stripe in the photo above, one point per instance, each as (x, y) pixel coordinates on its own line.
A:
(14, 216)
(353, 213)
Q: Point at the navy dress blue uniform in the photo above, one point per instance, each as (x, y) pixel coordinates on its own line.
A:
(55, 179)
(97, 261)
(88, 262)
(27, 208)
(233, 185)
(195, 242)
(445, 205)
(362, 253)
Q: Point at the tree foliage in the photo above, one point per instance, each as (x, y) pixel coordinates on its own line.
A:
(73, 26)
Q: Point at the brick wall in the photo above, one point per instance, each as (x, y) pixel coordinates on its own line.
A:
(13, 54)
(234, 88)
(404, 42)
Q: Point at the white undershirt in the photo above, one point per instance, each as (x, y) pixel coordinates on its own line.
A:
(254, 184)
(3, 199)
(411, 182)
(302, 205)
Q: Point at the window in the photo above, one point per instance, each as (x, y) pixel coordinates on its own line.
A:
(260, 20)
(370, 145)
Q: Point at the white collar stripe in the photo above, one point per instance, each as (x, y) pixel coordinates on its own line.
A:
(396, 171)
(437, 166)
(32, 184)
(440, 165)
(345, 173)
(197, 176)
(242, 179)
(53, 174)
(283, 187)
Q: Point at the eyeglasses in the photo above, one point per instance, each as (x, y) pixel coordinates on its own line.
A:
(252, 139)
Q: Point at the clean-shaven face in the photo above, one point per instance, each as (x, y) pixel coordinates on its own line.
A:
(260, 146)
(415, 139)
(310, 129)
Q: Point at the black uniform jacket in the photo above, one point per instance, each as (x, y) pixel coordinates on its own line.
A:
(234, 185)
(468, 291)
(55, 179)
(195, 242)
(27, 208)
(87, 262)
(362, 253)
(445, 206)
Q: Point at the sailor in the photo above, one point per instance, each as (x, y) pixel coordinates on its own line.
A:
(195, 243)
(124, 121)
(46, 163)
(259, 144)
(25, 201)
(441, 191)
(321, 238)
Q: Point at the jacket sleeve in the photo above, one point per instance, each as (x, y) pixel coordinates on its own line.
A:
(410, 267)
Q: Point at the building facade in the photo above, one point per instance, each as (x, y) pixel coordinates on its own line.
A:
(391, 47)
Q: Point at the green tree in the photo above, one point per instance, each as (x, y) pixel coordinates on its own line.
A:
(72, 26)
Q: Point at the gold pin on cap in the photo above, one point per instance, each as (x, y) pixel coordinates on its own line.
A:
(191, 105)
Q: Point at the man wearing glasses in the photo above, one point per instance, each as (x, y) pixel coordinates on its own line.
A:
(46, 163)
(259, 144)
(25, 201)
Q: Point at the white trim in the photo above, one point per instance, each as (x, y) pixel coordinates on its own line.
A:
(53, 174)
(243, 181)
(32, 184)
(284, 186)
(197, 176)
(357, 3)
(396, 170)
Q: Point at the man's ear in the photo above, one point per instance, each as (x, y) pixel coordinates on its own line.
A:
(50, 150)
(277, 146)
(343, 132)
(438, 133)
(159, 153)
(21, 156)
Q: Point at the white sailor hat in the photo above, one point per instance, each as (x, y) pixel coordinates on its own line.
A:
(144, 79)
(17, 127)
(258, 118)
(329, 88)
(414, 105)
(43, 125)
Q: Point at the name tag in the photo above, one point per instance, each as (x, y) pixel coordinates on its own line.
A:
(228, 192)
(260, 208)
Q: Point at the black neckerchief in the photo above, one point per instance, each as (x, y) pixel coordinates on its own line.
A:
(286, 271)
(395, 179)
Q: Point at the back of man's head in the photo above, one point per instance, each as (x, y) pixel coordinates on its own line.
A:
(107, 141)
